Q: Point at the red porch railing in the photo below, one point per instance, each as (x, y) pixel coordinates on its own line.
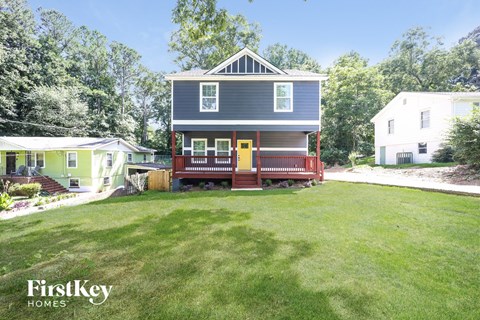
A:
(288, 163)
(203, 163)
(267, 164)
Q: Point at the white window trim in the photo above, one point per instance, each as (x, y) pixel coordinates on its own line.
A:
(206, 147)
(44, 162)
(130, 155)
(275, 84)
(106, 160)
(69, 186)
(109, 181)
(429, 119)
(76, 160)
(216, 96)
(388, 127)
(229, 150)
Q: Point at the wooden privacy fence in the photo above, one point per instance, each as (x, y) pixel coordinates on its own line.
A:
(160, 180)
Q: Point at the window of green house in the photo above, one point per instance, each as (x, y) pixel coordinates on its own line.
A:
(74, 183)
(71, 160)
(129, 157)
(109, 162)
(106, 181)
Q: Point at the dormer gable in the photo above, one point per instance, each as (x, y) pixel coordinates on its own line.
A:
(246, 62)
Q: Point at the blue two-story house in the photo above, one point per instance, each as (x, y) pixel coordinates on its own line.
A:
(246, 120)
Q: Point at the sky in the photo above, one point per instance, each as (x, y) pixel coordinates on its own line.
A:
(324, 29)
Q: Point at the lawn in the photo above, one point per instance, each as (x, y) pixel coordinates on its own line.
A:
(336, 251)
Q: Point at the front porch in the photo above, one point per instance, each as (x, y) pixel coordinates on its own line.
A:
(299, 167)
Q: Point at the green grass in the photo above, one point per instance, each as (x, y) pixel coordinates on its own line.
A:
(336, 251)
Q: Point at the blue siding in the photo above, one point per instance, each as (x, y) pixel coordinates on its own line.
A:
(263, 128)
(245, 100)
(267, 140)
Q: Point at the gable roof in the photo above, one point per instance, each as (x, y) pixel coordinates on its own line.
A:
(446, 95)
(246, 65)
(242, 59)
(67, 143)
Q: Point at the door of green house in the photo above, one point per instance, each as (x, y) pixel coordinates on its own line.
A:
(382, 155)
(11, 162)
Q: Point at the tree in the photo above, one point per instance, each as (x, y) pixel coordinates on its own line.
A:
(207, 35)
(59, 110)
(417, 62)
(148, 87)
(18, 70)
(465, 139)
(353, 94)
(290, 58)
(125, 63)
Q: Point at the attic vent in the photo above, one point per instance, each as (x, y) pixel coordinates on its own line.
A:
(404, 101)
(246, 65)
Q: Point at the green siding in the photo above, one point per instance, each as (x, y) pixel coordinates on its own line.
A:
(90, 171)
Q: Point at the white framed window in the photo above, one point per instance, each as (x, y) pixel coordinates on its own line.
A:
(129, 157)
(35, 159)
(106, 181)
(209, 97)
(144, 158)
(72, 161)
(74, 183)
(283, 97)
(199, 148)
(391, 126)
(109, 160)
(222, 149)
(40, 159)
(425, 119)
(422, 148)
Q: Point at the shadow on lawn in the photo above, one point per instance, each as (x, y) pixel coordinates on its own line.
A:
(157, 195)
(188, 264)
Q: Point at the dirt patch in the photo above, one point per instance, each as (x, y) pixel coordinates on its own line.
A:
(460, 175)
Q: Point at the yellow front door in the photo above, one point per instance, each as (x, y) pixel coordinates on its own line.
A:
(244, 157)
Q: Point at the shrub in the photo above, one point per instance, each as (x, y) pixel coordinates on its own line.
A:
(353, 158)
(201, 185)
(40, 202)
(5, 201)
(444, 154)
(268, 182)
(314, 182)
(290, 182)
(14, 189)
(224, 184)
(465, 140)
(30, 190)
(333, 156)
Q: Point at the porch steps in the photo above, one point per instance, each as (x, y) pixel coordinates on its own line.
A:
(49, 184)
(245, 181)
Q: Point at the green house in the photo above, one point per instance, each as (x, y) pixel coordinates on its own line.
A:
(78, 164)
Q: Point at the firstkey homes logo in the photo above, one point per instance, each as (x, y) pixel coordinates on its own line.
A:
(50, 295)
